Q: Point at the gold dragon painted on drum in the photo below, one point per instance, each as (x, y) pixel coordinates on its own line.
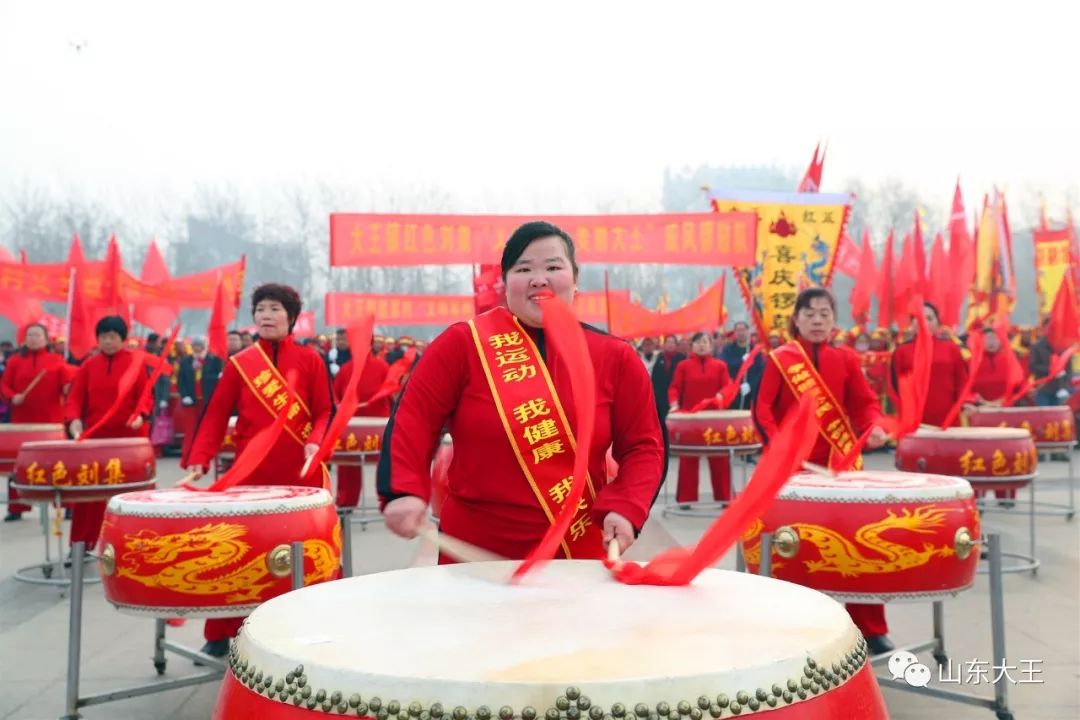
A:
(219, 546)
(841, 555)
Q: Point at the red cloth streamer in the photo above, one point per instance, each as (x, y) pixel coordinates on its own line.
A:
(392, 383)
(727, 394)
(913, 386)
(564, 331)
(159, 370)
(255, 452)
(1058, 363)
(847, 462)
(123, 389)
(784, 456)
(360, 344)
(976, 344)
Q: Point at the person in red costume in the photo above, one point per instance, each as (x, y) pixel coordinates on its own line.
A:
(33, 399)
(991, 385)
(498, 384)
(810, 364)
(949, 370)
(93, 392)
(255, 382)
(350, 478)
(700, 377)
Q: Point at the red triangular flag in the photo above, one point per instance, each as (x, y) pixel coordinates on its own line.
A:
(80, 323)
(886, 316)
(111, 289)
(76, 256)
(865, 280)
(1063, 330)
(154, 272)
(961, 260)
(939, 284)
(220, 317)
(811, 181)
(919, 253)
(905, 284)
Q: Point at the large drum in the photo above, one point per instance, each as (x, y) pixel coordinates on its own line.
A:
(872, 536)
(570, 643)
(177, 552)
(988, 458)
(84, 471)
(361, 439)
(711, 432)
(13, 435)
(1048, 425)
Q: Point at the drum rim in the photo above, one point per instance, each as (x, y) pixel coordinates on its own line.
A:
(970, 433)
(740, 414)
(318, 498)
(1037, 409)
(12, 428)
(958, 489)
(121, 488)
(88, 443)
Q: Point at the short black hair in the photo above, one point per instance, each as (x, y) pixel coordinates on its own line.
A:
(933, 308)
(698, 335)
(287, 296)
(340, 331)
(153, 338)
(245, 333)
(803, 301)
(111, 323)
(234, 332)
(740, 322)
(526, 235)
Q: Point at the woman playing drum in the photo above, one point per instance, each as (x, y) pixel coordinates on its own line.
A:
(499, 385)
(272, 376)
(350, 477)
(847, 407)
(700, 377)
(949, 370)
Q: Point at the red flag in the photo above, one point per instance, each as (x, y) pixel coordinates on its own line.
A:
(113, 300)
(961, 261)
(905, 283)
(885, 285)
(15, 306)
(220, 317)
(1063, 330)
(80, 323)
(863, 290)
(76, 256)
(811, 181)
(939, 285)
(848, 256)
(154, 271)
(919, 253)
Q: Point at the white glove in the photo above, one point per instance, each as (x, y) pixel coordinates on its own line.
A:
(334, 367)
(1062, 394)
(163, 404)
(187, 401)
(744, 389)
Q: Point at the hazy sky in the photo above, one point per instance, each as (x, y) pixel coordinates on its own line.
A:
(517, 104)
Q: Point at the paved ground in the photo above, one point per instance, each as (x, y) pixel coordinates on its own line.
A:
(1042, 617)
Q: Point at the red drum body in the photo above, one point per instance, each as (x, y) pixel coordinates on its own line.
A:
(176, 552)
(361, 439)
(793, 654)
(1047, 425)
(84, 471)
(13, 435)
(711, 432)
(440, 475)
(872, 536)
(989, 458)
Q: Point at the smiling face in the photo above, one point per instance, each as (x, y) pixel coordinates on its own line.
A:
(272, 320)
(543, 269)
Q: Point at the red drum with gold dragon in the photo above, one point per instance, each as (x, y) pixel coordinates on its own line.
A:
(178, 552)
(871, 536)
(990, 458)
(83, 471)
(711, 432)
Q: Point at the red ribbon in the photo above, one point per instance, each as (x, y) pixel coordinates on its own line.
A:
(784, 456)
(392, 383)
(1058, 363)
(564, 331)
(977, 343)
(727, 394)
(123, 389)
(159, 370)
(360, 343)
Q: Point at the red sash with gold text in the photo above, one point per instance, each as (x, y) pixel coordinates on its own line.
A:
(802, 377)
(272, 391)
(535, 423)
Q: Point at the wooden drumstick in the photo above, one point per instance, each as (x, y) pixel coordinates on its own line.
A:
(307, 465)
(189, 480)
(35, 381)
(819, 469)
(613, 550)
(457, 549)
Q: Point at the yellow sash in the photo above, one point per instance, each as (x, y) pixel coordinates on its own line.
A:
(535, 424)
(272, 391)
(802, 377)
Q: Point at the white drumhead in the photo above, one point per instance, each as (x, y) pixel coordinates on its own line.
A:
(241, 500)
(875, 486)
(30, 427)
(460, 635)
(374, 423)
(711, 415)
(1046, 410)
(973, 433)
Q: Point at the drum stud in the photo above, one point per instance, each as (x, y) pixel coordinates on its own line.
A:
(362, 709)
(437, 710)
(289, 677)
(754, 704)
(305, 692)
(506, 713)
(776, 689)
(761, 694)
(815, 688)
(258, 677)
(552, 714)
(736, 708)
(290, 689)
(297, 700)
(572, 713)
(425, 715)
(562, 703)
(808, 672)
(583, 701)
(268, 680)
(343, 708)
(382, 714)
(279, 685)
(801, 692)
(301, 681)
(108, 559)
(335, 697)
(483, 713)
(375, 704)
(804, 683)
(722, 700)
(460, 713)
(715, 710)
(695, 713)
(299, 670)
(311, 704)
(527, 713)
(326, 706)
(663, 709)
(279, 561)
(811, 663)
(320, 695)
(770, 701)
(415, 708)
(641, 710)
(393, 707)
(683, 707)
(835, 667)
(792, 685)
(786, 542)
(283, 696)
(788, 697)
(573, 693)
(742, 697)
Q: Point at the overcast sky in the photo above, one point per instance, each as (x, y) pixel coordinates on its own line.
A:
(565, 101)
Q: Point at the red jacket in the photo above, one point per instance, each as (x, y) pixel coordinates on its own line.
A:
(94, 390)
(283, 464)
(371, 381)
(948, 374)
(840, 369)
(992, 377)
(696, 379)
(45, 403)
(490, 502)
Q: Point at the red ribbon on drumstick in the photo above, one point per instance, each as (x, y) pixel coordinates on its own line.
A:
(123, 389)
(783, 458)
(564, 331)
(359, 336)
